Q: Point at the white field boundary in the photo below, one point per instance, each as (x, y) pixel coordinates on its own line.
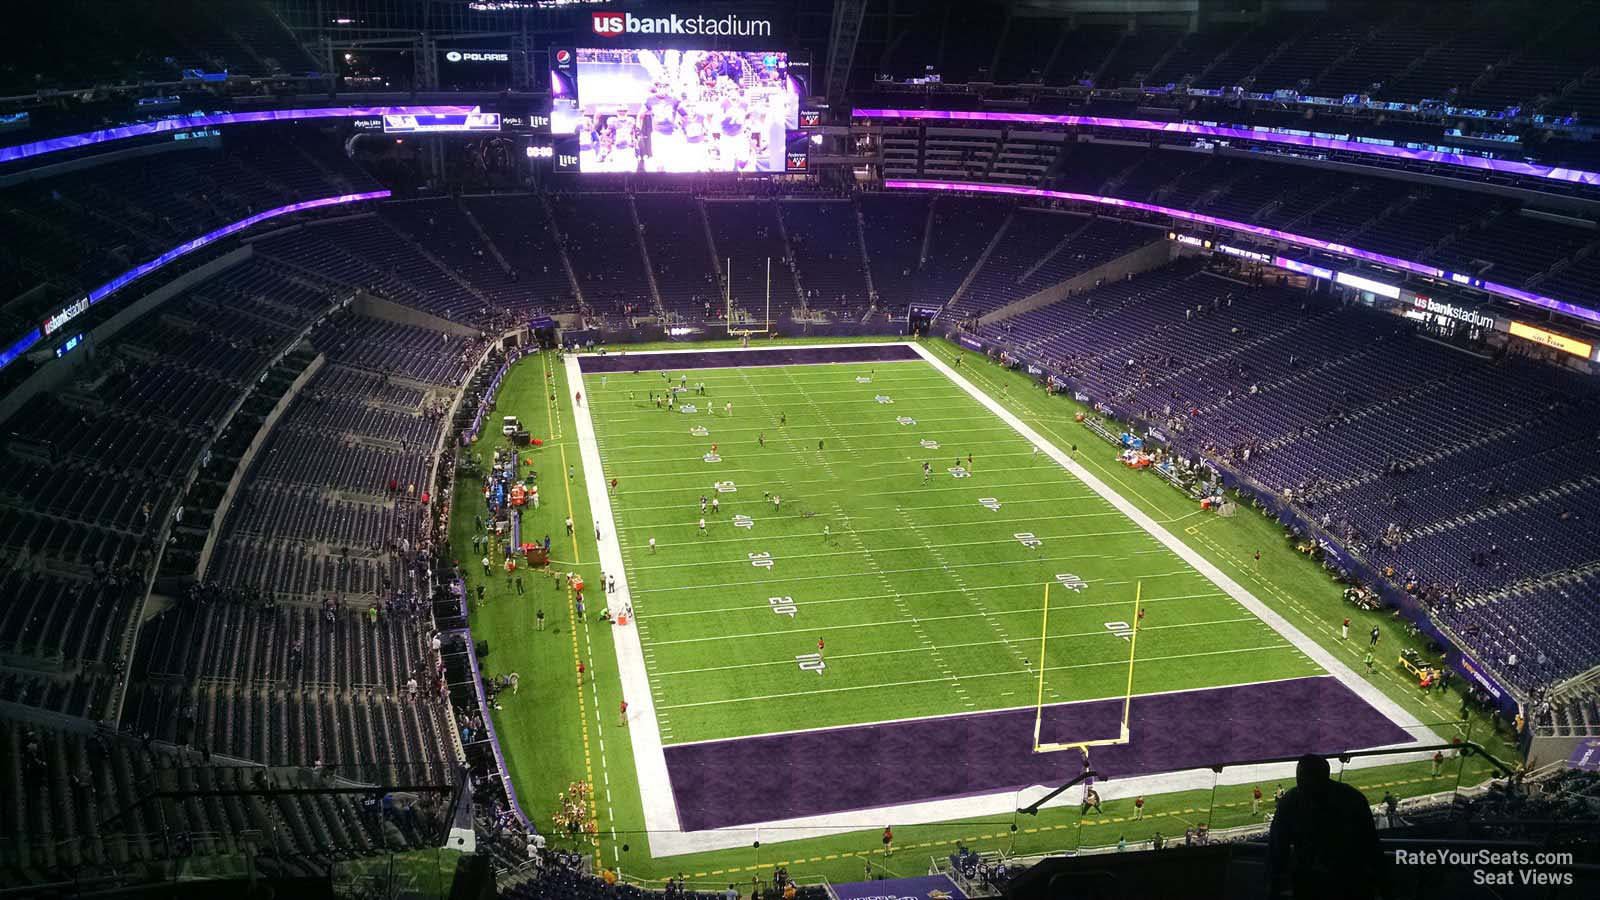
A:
(649, 760)
(655, 788)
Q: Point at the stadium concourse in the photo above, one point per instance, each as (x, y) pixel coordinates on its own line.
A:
(837, 450)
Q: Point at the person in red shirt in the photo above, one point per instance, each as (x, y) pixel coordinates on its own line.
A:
(1138, 808)
(580, 674)
(819, 646)
(622, 713)
(888, 840)
(1255, 800)
(578, 397)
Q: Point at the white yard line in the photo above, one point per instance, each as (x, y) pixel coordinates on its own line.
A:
(1026, 642)
(1034, 610)
(702, 562)
(1120, 661)
(930, 526)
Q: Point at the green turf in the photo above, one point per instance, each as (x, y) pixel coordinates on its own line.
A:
(927, 600)
(551, 741)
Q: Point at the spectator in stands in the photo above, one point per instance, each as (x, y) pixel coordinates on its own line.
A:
(1323, 843)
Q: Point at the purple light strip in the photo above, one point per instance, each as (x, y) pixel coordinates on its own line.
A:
(1507, 166)
(182, 123)
(1550, 303)
(26, 342)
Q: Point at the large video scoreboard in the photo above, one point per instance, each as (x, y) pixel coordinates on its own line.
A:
(672, 109)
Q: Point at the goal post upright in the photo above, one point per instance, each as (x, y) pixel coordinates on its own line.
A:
(1133, 644)
(1123, 731)
(1044, 637)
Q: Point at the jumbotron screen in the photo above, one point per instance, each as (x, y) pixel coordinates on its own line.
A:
(645, 110)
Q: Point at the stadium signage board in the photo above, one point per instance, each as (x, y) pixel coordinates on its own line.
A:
(617, 24)
(1552, 340)
(477, 56)
(1464, 314)
(1251, 255)
(1295, 265)
(1367, 284)
(71, 344)
(66, 314)
(415, 123)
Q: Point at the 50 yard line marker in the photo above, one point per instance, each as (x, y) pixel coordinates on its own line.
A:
(1127, 697)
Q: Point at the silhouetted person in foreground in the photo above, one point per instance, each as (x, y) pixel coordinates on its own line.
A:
(1323, 843)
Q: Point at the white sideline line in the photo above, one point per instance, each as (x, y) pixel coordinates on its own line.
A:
(650, 762)
(655, 792)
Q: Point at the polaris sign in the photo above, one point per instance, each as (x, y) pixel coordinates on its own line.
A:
(476, 56)
(617, 24)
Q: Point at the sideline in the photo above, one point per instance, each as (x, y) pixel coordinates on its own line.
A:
(650, 760)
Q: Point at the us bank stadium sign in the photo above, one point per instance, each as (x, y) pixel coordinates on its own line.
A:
(53, 324)
(1451, 311)
(617, 24)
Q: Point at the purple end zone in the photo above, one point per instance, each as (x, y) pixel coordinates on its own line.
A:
(761, 779)
(729, 359)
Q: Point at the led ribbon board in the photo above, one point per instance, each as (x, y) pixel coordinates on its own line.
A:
(434, 123)
(186, 123)
(1503, 166)
(56, 320)
(1503, 290)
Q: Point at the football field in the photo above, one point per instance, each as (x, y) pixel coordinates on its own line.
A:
(856, 585)
(835, 583)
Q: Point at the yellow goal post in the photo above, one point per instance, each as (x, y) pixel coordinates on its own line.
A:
(1127, 695)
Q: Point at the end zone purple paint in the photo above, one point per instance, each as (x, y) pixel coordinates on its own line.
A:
(746, 780)
(728, 359)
